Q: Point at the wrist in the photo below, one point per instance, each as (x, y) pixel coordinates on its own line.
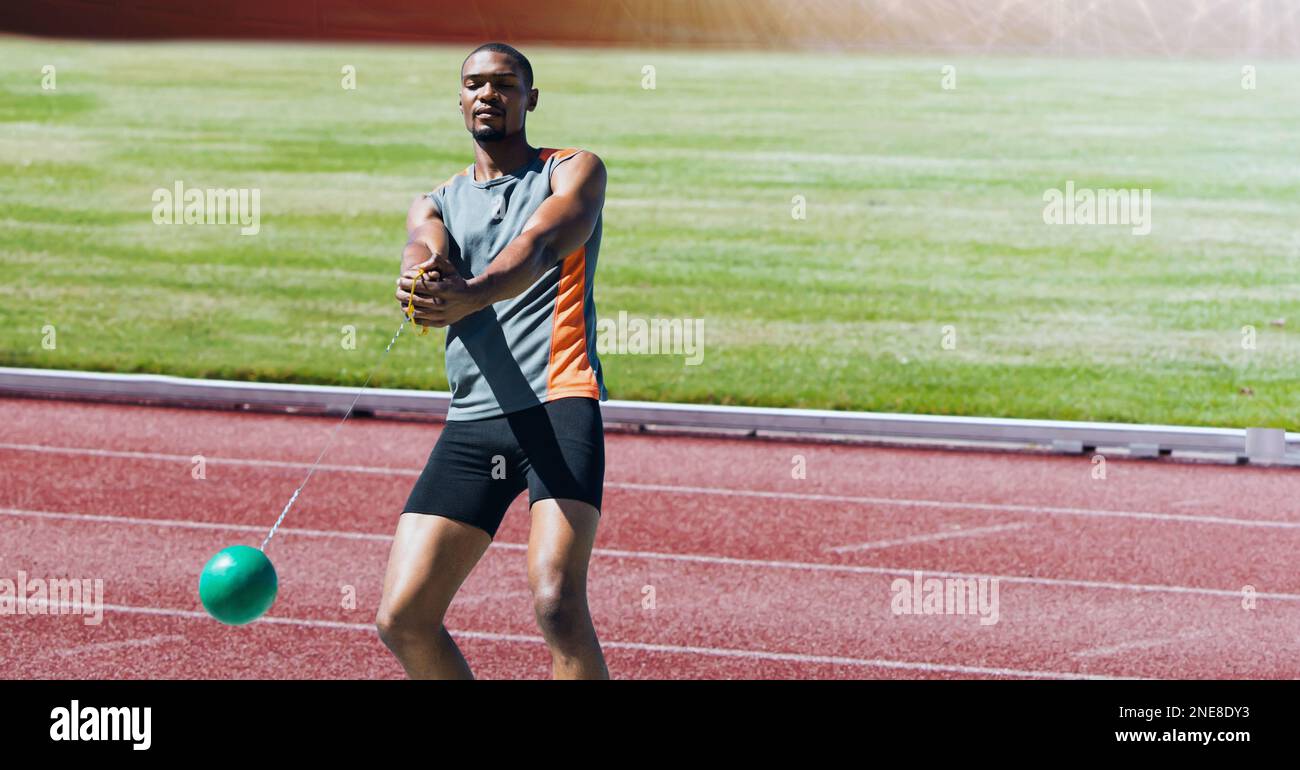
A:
(480, 291)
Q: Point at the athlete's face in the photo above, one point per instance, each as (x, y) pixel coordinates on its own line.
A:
(493, 96)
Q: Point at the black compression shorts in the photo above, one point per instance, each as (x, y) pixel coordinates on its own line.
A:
(478, 467)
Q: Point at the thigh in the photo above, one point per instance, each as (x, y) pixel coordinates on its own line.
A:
(563, 452)
(559, 544)
(472, 475)
(431, 556)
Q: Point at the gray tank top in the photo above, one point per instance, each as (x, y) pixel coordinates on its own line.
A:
(540, 345)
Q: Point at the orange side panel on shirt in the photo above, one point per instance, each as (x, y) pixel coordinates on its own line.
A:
(569, 372)
(547, 152)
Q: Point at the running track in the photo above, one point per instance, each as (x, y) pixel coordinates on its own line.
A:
(755, 573)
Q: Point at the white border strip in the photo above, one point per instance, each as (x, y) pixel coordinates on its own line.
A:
(669, 649)
(1231, 594)
(1062, 435)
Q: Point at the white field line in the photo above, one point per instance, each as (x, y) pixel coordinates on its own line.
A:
(1140, 644)
(930, 538)
(720, 652)
(613, 553)
(955, 505)
(106, 646)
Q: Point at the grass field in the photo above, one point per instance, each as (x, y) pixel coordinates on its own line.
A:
(924, 209)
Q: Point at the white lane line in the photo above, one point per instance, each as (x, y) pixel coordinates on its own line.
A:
(720, 652)
(954, 505)
(613, 553)
(181, 524)
(1235, 595)
(1141, 644)
(106, 646)
(930, 538)
(173, 458)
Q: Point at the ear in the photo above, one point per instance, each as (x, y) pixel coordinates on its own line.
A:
(532, 100)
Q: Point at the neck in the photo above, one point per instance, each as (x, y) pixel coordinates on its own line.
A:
(496, 159)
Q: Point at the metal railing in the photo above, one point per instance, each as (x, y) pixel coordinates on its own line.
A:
(1256, 445)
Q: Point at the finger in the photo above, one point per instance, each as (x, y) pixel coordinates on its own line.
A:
(415, 280)
(429, 312)
(439, 288)
(436, 323)
(424, 294)
(410, 282)
(420, 300)
(441, 262)
(426, 279)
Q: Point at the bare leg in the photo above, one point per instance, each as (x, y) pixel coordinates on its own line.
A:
(559, 547)
(430, 558)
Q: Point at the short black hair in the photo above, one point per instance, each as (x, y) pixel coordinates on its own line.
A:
(520, 60)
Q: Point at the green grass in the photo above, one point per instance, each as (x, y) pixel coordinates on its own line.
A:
(923, 210)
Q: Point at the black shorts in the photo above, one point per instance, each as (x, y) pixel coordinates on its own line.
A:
(478, 467)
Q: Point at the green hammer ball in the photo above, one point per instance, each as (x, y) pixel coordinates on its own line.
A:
(238, 584)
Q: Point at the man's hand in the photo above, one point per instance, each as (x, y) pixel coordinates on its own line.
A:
(428, 237)
(560, 225)
(441, 295)
(414, 254)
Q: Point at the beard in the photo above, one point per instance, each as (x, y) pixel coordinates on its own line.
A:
(489, 134)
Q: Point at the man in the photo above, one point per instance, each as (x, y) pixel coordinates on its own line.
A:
(508, 248)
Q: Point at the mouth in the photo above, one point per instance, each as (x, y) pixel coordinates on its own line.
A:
(488, 113)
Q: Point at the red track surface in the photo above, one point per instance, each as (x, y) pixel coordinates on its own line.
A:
(755, 573)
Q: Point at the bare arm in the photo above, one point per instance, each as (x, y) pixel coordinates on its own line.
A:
(560, 226)
(426, 234)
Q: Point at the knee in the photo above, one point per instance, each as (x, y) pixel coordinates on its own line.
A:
(560, 604)
(398, 628)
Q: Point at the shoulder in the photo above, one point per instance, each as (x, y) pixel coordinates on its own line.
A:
(463, 174)
(429, 205)
(422, 209)
(572, 156)
(574, 167)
